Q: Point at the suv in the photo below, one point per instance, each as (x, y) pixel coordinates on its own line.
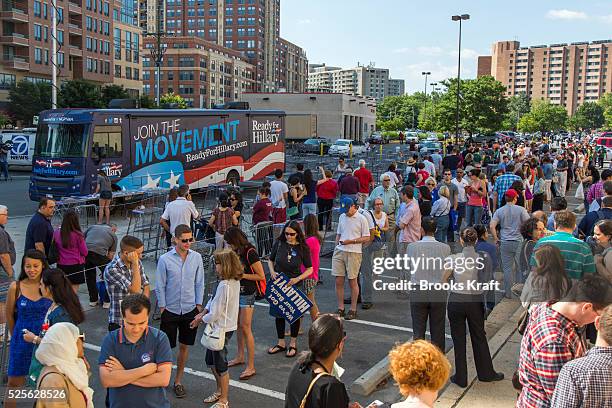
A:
(314, 146)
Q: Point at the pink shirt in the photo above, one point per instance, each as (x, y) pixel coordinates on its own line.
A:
(75, 255)
(411, 218)
(475, 199)
(315, 248)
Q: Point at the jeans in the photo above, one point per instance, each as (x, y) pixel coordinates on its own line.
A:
(442, 228)
(325, 213)
(473, 215)
(4, 168)
(309, 208)
(509, 253)
(365, 272)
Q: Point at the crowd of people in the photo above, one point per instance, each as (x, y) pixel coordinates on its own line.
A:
(502, 205)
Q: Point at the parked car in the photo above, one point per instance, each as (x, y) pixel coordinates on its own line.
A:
(412, 137)
(342, 147)
(314, 145)
(377, 138)
(429, 147)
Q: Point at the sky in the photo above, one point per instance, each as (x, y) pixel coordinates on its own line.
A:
(410, 37)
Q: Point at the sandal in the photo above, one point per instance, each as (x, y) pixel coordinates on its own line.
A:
(246, 375)
(234, 363)
(289, 355)
(221, 405)
(212, 398)
(276, 349)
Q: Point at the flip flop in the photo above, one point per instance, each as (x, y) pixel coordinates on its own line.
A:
(245, 376)
(235, 363)
(289, 352)
(276, 349)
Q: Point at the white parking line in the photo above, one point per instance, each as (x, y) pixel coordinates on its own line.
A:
(368, 323)
(208, 376)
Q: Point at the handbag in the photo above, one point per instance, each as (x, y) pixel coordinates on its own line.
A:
(312, 383)
(580, 192)
(291, 211)
(260, 285)
(213, 337)
(454, 218)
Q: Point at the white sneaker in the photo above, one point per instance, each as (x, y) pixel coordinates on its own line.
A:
(106, 305)
(93, 304)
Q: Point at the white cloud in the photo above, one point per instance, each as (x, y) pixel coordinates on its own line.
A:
(305, 21)
(466, 53)
(566, 15)
(430, 51)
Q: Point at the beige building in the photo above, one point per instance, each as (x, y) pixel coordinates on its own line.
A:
(367, 81)
(564, 74)
(151, 15)
(331, 115)
(127, 44)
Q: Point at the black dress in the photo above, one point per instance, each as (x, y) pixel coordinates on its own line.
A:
(327, 392)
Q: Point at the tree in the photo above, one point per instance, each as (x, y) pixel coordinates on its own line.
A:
(27, 99)
(4, 120)
(395, 123)
(146, 102)
(518, 105)
(110, 92)
(606, 103)
(405, 107)
(79, 93)
(543, 117)
(173, 99)
(589, 115)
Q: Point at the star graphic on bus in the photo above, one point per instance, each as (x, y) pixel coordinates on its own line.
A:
(151, 182)
(173, 180)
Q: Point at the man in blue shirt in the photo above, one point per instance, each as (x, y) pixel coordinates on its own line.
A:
(547, 169)
(180, 292)
(135, 360)
(40, 232)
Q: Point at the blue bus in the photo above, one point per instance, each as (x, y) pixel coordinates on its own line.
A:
(153, 148)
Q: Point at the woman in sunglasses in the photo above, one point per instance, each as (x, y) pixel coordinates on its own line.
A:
(289, 253)
(312, 379)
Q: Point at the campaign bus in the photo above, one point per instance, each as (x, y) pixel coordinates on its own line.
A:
(153, 148)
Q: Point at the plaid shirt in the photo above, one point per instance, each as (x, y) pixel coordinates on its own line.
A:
(118, 278)
(586, 382)
(503, 184)
(551, 340)
(595, 192)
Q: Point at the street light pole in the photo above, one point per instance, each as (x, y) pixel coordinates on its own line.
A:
(425, 104)
(459, 18)
(157, 54)
(53, 55)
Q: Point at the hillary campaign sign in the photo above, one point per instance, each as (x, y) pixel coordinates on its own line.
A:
(286, 300)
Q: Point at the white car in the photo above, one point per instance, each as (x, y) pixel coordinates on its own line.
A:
(412, 137)
(342, 147)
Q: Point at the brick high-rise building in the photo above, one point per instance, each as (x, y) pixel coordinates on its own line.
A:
(564, 74)
(251, 27)
(85, 34)
(292, 68)
(202, 72)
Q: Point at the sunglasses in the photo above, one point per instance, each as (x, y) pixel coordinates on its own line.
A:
(387, 180)
(233, 199)
(291, 234)
(186, 240)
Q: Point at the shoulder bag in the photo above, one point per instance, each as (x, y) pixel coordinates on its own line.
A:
(213, 337)
(312, 383)
(261, 285)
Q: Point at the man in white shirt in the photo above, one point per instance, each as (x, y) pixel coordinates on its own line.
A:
(391, 173)
(461, 183)
(179, 211)
(278, 195)
(353, 231)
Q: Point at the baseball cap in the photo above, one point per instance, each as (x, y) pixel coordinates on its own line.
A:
(345, 204)
(511, 194)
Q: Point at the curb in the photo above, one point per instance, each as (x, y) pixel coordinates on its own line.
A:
(367, 383)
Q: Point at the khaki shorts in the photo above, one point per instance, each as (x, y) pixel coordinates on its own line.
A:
(346, 263)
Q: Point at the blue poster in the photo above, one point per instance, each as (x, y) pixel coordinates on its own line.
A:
(286, 301)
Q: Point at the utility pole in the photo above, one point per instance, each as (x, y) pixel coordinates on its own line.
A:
(157, 52)
(459, 18)
(425, 104)
(53, 55)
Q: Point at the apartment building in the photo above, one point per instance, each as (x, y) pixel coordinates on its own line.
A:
(368, 81)
(202, 72)
(127, 43)
(564, 74)
(251, 27)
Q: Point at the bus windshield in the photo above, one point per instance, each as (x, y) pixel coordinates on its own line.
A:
(61, 140)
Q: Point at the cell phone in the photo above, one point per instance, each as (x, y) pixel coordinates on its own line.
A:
(376, 403)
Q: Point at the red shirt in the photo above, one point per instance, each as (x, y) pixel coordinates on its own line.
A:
(262, 211)
(328, 190)
(424, 174)
(365, 178)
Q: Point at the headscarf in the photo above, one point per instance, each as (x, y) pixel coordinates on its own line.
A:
(58, 348)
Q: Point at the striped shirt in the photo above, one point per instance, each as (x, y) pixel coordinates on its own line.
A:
(576, 253)
(585, 382)
(551, 340)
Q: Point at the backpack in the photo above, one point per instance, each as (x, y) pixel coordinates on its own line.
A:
(411, 176)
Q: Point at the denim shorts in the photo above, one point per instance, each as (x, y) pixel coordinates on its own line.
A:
(218, 359)
(247, 301)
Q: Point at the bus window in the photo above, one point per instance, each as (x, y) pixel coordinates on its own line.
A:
(61, 140)
(106, 142)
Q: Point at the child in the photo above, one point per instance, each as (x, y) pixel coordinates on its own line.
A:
(222, 312)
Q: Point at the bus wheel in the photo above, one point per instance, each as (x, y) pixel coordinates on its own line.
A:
(233, 178)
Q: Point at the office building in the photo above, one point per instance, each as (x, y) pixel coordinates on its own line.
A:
(251, 27)
(564, 74)
(127, 43)
(368, 81)
(202, 72)
(329, 115)
(151, 15)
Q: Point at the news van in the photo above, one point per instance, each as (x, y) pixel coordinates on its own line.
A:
(153, 148)
(20, 145)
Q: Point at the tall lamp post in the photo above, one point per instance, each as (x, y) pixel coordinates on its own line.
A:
(157, 54)
(425, 104)
(459, 18)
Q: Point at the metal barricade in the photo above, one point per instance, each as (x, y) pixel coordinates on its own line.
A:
(263, 234)
(210, 273)
(144, 225)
